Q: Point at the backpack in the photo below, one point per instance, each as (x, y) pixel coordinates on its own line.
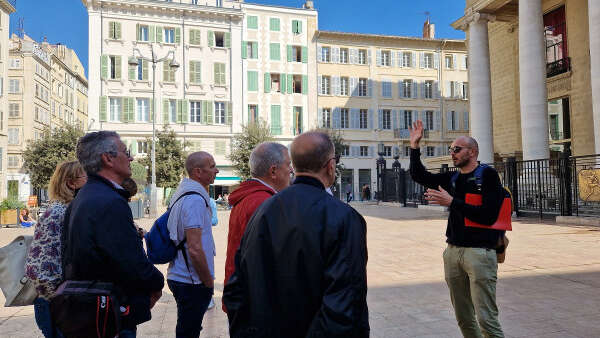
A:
(160, 248)
(479, 180)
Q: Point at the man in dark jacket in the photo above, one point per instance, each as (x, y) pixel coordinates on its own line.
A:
(470, 263)
(300, 270)
(100, 239)
(271, 168)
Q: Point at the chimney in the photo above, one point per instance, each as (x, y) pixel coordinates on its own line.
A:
(309, 4)
(428, 30)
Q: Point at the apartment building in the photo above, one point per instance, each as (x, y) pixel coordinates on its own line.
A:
(372, 87)
(7, 7)
(45, 86)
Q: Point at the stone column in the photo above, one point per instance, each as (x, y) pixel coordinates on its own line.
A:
(594, 23)
(480, 85)
(532, 74)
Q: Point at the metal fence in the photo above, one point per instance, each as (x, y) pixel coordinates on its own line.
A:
(565, 186)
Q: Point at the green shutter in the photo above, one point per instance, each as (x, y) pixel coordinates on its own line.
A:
(304, 54)
(204, 113)
(144, 70)
(299, 28)
(130, 109)
(290, 84)
(177, 35)
(276, 120)
(267, 82)
(294, 121)
(304, 84)
(165, 115)
(159, 34)
(138, 32)
(104, 67)
(227, 42)
(282, 79)
(165, 71)
(151, 110)
(134, 147)
(274, 24)
(252, 22)
(252, 81)
(118, 67)
(228, 116)
(211, 38)
(185, 111)
(209, 113)
(118, 30)
(132, 72)
(103, 100)
(179, 104)
(111, 30)
(125, 110)
(290, 50)
(151, 34)
(275, 52)
(217, 78)
(255, 50)
(194, 37)
(244, 49)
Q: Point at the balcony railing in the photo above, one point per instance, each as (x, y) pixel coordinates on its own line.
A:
(558, 67)
(405, 133)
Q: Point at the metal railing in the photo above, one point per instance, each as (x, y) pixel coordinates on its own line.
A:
(558, 67)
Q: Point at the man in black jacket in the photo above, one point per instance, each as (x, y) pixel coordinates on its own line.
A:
(470, 263)
(300, 270)
(101, 241)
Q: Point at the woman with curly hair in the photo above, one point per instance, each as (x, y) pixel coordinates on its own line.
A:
(43, 265)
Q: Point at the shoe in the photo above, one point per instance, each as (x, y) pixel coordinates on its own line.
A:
(211, 304)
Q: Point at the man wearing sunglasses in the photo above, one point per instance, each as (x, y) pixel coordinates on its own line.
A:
(470, 262)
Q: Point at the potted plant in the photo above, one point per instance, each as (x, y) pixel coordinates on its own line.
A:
(9, 211)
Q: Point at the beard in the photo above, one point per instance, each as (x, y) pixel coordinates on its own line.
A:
(459, 163)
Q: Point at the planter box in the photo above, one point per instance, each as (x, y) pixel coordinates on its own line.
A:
(8, 217)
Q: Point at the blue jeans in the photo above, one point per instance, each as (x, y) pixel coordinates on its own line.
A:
(128, 333)
(192, 301)
(41, 309)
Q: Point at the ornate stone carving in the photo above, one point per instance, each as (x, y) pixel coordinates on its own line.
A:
(589, 185)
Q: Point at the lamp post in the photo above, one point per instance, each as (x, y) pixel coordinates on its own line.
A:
(133, 61)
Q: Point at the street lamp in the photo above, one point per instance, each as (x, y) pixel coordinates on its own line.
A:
(133, 61)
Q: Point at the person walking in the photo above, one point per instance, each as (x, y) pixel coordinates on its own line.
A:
(348, 192)
(101, 242)
(190, 275)
(43, 264)
(270, 167)
(300, 270)
(367, 192)
(470, 262)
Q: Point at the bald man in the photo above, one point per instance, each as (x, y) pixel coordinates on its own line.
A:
(300, 270)
(470, 262)
(191, 274)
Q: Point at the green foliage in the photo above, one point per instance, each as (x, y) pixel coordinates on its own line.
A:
(11, 204)
(139, 173)
(242, 145)
(170, 159)
(42, 156)
(338, 143)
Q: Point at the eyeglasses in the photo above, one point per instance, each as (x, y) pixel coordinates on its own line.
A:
(336, 158)
(126, 152)
(456, 149)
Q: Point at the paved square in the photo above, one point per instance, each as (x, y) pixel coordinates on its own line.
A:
(548, 287)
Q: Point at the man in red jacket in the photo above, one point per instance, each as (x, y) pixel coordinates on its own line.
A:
(270, 167)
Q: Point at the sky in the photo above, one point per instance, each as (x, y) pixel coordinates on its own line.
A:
(66, 21)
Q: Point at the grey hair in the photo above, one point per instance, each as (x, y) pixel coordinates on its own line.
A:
(264, 156)
(91, 146)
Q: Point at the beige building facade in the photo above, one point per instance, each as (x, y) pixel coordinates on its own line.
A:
(534, 63)
(7, 7)
(372, 88)
(45, 85)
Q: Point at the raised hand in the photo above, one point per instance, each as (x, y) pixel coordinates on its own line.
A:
(416, 133)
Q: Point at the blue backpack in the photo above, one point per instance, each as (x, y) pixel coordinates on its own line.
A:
(160, 248)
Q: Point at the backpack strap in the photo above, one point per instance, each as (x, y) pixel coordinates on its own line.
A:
(478, 173)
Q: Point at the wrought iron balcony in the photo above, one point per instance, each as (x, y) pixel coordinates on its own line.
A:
(405, 133)
(558, 67)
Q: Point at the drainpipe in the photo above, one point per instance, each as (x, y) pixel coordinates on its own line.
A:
(440, 87)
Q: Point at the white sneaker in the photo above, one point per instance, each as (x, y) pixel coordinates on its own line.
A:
(211, 304)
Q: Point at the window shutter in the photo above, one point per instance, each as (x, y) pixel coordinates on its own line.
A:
(354, 118)
(401, 89)
(353, 86)
(370, 93)
(394, 119)
(204, 112)
(228, 114)
(337, 118)
(449, 120)
(290, 83)
(437, 121)
(335, 54)
(151, 109)
(304, 54)
(104, 67)
(159, 34)
(151, 34)
(454, 62)
(252, 81)
(111, 30)
(276, 120)
(447, 90)
(144, 70)
(304, 84)
(275, 52)
(335, 85)
(400, 59)
(289, 53)
(370, 119)
(282, 83)
(227, 38)
(216, 70)
(369, 56)
(380, 119)
(319, 54)
(134, 148)
(414, 89)
(255, 50)
(118, 30)
(392, 58)
(320, 118)
(464, 62)
(378, 57)
(274, 24)
(138, 32)
(371, 151)
(436, 60)
(459, 91)
(118, 67)
(299, 27)
(413, 117)
(466, 120)
(436, 90)
(131, 109)
(103, 107)
(413, 59)
(179, 104)
(177, 35)
(253, 22)
(267, 83)
(132, 71)
(244, 49)
(320, 84)
(210, 116)
(165, 111)
(211, 39)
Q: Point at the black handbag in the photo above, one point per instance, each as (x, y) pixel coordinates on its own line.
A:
(84, 309)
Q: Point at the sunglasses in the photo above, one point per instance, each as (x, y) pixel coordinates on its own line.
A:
(455, 149)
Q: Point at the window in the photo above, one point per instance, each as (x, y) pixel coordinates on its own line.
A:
(168, 72)
(428, 86)
(386, 116)
(407, 119)
(13, 135)
(406, 59)
(115, 108)
(296, 27)
(406, 151)
(219, 39)
(407, 88)
(275, 52)
(449, 61)
(274, 24)
(326, 118)
(296, 54)
(452, 120)
(220, 147)
(386, 89)
(15, 63)
(297, 84)
(344, 118)
(219, 112)
(276, 83)
(430, 151)
(297, 120)
(343, 55)
(386, 60)
(142, 147)
(143, 110)
(140, 69)
(326, 85)
(252, 49)
(362, 56)
(326, 54)
(364, 151)
(115, 67)
(14, 110)
(196, 111)
(344, 86)
(252, 81)
(427, 60)
(345, 151)
(220, 79)
(428, 123)
(195, 72)
(169, 35)
(363, 119)
(555, 31)
(13, 161)
(465, 92)
(219, 3)
(387, 151)
(252, 113)
(363, 87)
(252, 22)
(114, 30)
(14, 86)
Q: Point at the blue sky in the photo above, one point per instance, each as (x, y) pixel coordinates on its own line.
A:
(65, 21)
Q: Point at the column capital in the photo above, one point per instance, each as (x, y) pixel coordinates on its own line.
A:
(474, 17)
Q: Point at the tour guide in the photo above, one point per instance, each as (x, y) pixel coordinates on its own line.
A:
(470, 262)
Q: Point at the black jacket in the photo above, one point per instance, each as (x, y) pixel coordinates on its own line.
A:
(487, 214)
(100, 242)
(300, 270)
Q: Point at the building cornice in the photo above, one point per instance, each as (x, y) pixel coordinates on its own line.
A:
(502, 10)
(280, 9)
(161, 5)
(7, 6)
(397, 38)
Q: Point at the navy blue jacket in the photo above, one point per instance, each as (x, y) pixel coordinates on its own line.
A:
(100, 242)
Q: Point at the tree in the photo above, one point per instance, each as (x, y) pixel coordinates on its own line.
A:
(242, 145)
(170, 159)
(139, 173)
(338, 144)
(42, 156)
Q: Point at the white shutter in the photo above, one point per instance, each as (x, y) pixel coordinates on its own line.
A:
(353, 86)
(353, 55)
(370, 93)
(371, 151)
(447, 89)
(380, 118)
(413, 116)
(437, 121)
(454, 62)
(456, 89)
(436, 60)
(336, 90)
(336, 54)
(449, 120)
(466, 120)
(436, 90)
(421, 59)
(354, 118)
(423, 90)
(369, 56)
(464, 62)
(394, 119)
(336, 118)
(392, 58)
(400, 90)
(319, 53)
(399, 60)
(413, 60)
(414, 89)
(370, 120)
(320, 84)
(320, 118)
(379, 57)
(459, 89)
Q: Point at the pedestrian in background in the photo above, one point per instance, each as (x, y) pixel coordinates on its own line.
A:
(43, 265)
